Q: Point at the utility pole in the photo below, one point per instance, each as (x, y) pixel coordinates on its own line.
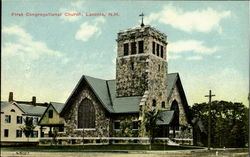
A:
(209, 119)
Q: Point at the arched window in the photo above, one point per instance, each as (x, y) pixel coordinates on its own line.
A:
(86, 114)
(154, 103)
(175, 107)
(12, 110)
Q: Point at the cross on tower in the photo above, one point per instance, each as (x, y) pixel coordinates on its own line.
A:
(142, 24)
(209, 119)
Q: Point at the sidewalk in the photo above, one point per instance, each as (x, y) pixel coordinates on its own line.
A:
(134, 153)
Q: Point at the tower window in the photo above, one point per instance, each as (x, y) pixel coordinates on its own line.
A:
(154, 103)
(132, 66)
(125, 49)
(163, 105)
(159, 68)
(141, 46)
(153, 47)
(161, 51)
(157, 49)
(133, 48)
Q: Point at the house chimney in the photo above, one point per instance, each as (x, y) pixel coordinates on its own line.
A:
(11, 97)
(34, 100)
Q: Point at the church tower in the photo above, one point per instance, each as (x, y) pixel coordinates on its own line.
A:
(141, 64)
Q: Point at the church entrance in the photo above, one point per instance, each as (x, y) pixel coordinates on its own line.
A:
(174, 129)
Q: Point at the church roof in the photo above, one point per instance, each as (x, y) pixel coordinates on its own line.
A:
(166, 117)
(105, 90)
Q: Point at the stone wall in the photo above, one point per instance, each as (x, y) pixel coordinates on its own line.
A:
(136, 73)
(102, 121)
(126, 121)
(182, 115)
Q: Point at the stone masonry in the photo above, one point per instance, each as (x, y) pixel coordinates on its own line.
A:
(102, 121)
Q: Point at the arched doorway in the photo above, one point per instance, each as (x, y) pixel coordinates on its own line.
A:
(175, 124)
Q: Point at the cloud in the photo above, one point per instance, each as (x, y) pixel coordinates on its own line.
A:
(25, 46)
(89, 29)
(172, 57)
(204, 20)
(190, 46)
(226, 83)
(195, 58)
(74, 7)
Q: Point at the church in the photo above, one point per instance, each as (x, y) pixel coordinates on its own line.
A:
(100, 108)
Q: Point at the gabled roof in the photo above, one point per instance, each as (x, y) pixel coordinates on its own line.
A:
(25, 108)
(105, 91)
(174, 80)
(166, 117)
(32, 110)
(5, 104)
(58, 106)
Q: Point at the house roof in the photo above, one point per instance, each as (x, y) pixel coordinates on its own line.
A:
(166, 117)
(5, 104)
(31, 109)
(58, 106)
(105, 90)
(25, 108)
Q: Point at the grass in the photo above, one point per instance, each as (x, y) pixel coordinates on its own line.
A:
(81, 148)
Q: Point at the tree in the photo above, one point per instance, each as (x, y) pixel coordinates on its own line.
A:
(229, 122)
(28, 127)
(151, 117)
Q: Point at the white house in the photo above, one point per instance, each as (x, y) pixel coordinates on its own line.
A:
(13, 117)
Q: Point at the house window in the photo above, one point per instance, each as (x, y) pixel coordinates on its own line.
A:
(157, 49)
(153, 46)
(161, 51)
(7, 119)
(19, 119)
(141, 46)
(125, 49)
(12, 110)
(35, 121)
(61, 128)
(163, 105)
(135, 125)
(133, 48)
(29, 121)
(50, 113)
(35, 134)
(18, 133)
(86, 114)
(154, 103)
(6, 133)
(117, 125)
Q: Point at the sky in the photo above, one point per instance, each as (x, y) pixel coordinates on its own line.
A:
(45, 56)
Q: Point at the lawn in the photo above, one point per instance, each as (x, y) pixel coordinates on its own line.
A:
(111, 147)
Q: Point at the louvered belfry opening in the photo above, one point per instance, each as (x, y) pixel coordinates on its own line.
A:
(86, 114)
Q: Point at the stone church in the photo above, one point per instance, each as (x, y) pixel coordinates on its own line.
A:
(116, 108)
